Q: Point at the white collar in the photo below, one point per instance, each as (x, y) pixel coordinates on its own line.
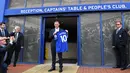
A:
(56, 28)
(119, 28)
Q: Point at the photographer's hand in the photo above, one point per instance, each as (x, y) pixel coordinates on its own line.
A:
(12, 39)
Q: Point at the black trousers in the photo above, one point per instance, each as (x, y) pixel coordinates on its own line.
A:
(15, 49)
(121, 56)
(53, 53)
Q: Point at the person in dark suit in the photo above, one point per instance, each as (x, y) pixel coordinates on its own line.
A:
(3, 48)
(3, 31)
(53, 47)
(18, 44)
(119, 43)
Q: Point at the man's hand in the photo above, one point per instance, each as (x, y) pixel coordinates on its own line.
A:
(12, 38)
(113, 47)
(66, 30)
(55, 32)
(21, 46)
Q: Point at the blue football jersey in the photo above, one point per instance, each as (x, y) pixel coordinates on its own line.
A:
(61, 41)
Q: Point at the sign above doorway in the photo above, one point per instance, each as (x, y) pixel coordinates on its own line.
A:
(71, 8)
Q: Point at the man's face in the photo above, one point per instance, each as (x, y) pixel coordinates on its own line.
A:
(118, 24)
(3, 26)
(17, 29)
(56, 24)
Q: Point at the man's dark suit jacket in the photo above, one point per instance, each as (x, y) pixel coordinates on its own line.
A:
(120, 39)
(6, 33)
(20, 39)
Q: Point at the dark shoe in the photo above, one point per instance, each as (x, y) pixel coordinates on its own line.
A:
(116, 67)
(14, 65)
(52, 69)
(123, 68)
(60, 70)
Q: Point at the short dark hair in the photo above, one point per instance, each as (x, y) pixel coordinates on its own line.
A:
(57, 20)
(119, 22)
(2, 23)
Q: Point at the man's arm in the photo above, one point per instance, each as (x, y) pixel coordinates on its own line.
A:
(3, 38)
(3, 47)
(125, 37)
(51, 36)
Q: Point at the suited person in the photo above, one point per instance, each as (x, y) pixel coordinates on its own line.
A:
(53, 47)
(3, 48)
(3, 31)
(119, 43)
(18, 44)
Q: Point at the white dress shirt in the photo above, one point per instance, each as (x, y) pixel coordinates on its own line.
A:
(56, 30)
(3, 32)
(16, 36)
(118, 30)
